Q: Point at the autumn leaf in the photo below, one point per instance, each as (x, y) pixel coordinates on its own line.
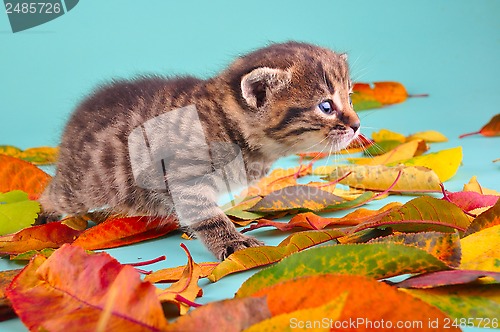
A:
(378, 94)
(429, 136)
(239, 210)
(94, 292)
(184, 291)
(298, 197)
(480, 250)
(17, 174)
(367, 301)
(447, 278)
(444, 246)
(403, 151)
(51, 235)
(375, 260)
(412, 179)
(489, 218)
(174, 274)
(469, 200)
(387, 135)
(6, 310)
(278, 179)
(120, 231)
(480, 302)
(310, 220)
(17, 211)
(249, 258)
(444, 163)
(492, 128)
(227, 315)
(422, 214)
(43, 155)
(28, 255)
(284, 322)
(473, 185)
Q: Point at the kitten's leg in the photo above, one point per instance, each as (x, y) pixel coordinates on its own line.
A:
(221, 237)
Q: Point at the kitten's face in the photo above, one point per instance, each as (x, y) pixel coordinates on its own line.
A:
(315, 112)
(304, 104)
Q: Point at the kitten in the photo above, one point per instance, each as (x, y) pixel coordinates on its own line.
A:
(155, 146)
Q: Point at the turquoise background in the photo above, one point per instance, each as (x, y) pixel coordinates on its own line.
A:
(449, 49)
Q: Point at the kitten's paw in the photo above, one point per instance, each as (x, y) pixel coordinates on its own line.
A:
(232, 246)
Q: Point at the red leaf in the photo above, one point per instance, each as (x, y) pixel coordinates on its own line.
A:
(51, 235)
(116, 232)
(91, 292)
(469, 200)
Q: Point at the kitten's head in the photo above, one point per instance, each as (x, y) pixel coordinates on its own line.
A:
(295, 97)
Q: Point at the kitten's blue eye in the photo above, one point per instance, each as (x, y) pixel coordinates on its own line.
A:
(326, 107)
(350, 100)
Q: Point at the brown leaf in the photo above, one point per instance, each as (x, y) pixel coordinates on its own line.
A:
(228, 315)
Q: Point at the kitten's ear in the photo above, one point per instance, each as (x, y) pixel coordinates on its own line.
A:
(344, 56)
(258, 85)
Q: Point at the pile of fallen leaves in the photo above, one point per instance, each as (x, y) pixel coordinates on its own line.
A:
(444, 243)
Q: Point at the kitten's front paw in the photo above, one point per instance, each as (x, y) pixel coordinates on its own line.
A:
(232, 246)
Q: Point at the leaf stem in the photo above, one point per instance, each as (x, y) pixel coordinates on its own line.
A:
(151, 261)
(446, 198)
(182, 299)
(469, 134)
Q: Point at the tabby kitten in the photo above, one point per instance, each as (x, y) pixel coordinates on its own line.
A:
(119, 150)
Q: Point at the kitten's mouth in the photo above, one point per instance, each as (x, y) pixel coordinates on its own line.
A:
(341, 140)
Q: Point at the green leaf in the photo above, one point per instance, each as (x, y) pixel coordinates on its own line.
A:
(249, 258)
(376, 260)
(422, 214)
(17, 211)
(479, 302)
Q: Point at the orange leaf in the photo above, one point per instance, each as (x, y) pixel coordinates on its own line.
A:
(92, 292)
(117, 232)
(378, 94)
(278, 179)
(17, 174)
(492, 128)
(51, 235)
(310, 220)
(368, 299)
(175, 273)
(186, 290)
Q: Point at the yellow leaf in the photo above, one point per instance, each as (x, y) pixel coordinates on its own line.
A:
(185, 289)
(401, 152)
(474, 186)
(444, 163)
(285, 322)
(380, 178)
(480, 251)
(387, 135)
(430, 136)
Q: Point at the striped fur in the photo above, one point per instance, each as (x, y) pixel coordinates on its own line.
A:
(265, 102)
